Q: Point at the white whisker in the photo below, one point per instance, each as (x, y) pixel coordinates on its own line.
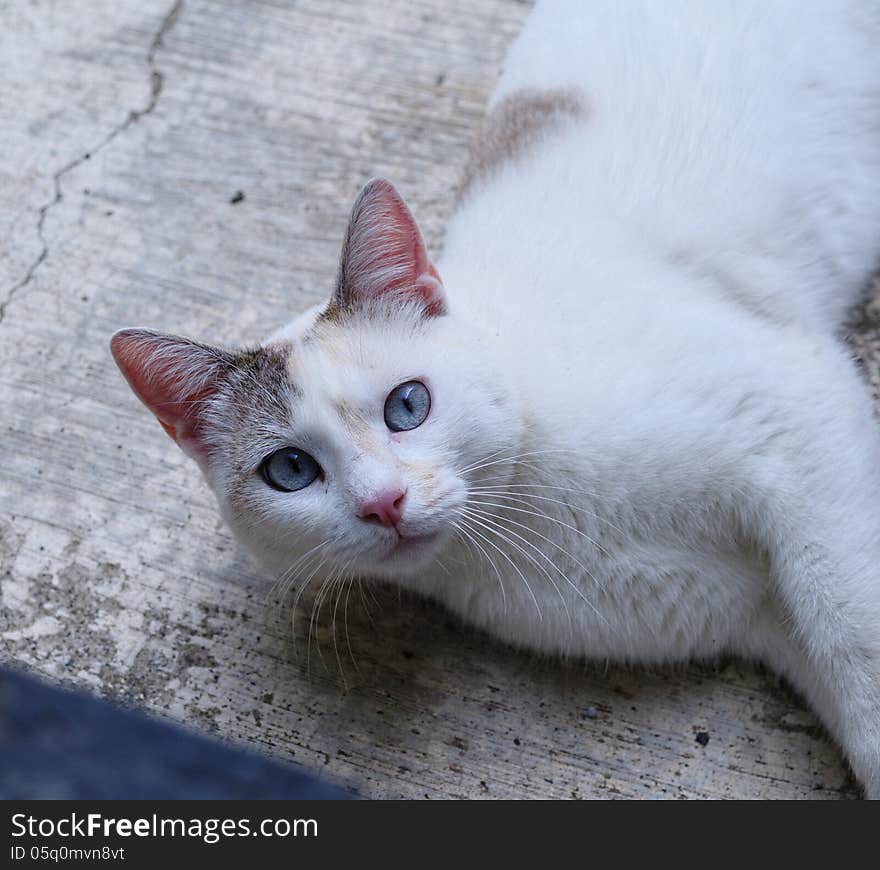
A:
(550, 519)
(505, 534)
(339, 585)
(476, 544)
(467, 524)
(351, 582)
(516, 458)
(502, 488)
(486, 515)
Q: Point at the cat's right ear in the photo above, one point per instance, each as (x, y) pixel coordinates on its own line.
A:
(175, 378)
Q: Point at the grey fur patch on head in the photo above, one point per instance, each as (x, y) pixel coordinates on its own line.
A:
(252, 404)
(517, 124)
(253, 413)
(260, 380)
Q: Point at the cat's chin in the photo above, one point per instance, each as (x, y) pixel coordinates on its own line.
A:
(408, 555)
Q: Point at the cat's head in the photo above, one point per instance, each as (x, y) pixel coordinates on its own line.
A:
(353, 435)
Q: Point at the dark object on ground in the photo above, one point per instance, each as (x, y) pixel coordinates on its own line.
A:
(60, 744)
(236, 197)
(702, 737)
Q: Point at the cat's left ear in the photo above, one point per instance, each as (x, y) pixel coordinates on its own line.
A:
(384, 253)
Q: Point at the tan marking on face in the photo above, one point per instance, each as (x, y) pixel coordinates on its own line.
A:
(421, 472)
(352, 419)
(358, 428)
(517, 123)
(261, 385)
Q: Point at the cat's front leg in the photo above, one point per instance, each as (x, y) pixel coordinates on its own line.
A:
(820, 521)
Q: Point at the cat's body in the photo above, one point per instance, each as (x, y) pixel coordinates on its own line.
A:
(663, 277)
(646, 441)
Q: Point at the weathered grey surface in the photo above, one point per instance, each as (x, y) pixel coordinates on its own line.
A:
(116, 574)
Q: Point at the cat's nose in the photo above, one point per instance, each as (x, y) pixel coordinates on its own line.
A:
(385, 509)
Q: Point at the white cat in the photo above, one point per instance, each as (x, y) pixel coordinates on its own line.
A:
(624, 426)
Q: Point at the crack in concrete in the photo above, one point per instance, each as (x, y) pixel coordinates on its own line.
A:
(157, 81)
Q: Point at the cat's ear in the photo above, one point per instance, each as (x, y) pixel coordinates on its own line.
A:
(384, 253)
(175, 378)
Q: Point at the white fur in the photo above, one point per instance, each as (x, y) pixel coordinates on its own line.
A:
(646, 311)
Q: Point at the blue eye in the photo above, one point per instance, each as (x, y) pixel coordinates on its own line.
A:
(290, 469)
(407, 406)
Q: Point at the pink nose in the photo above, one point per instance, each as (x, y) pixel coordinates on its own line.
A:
(385, 509)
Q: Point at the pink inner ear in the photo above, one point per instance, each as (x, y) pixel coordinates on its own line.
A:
(385, 253)
(173, 377)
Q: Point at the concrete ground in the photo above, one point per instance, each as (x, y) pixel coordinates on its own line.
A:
(190, 167)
